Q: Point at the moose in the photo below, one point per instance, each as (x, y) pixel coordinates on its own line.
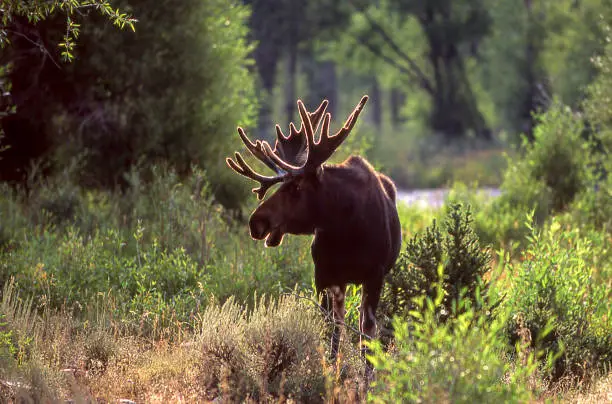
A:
(349, 207)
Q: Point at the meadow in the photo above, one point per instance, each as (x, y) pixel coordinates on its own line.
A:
(157, 293)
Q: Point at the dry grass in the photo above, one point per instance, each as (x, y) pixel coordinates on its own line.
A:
(145, 371)
(597, 392)
(273, 352)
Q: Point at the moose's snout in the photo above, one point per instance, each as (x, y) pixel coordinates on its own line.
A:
(259, 227)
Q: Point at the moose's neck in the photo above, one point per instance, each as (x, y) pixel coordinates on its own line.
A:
(346, 196)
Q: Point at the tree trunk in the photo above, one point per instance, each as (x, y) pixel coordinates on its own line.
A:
(376, 104)
(290, 100)
(530, 103)
(328, 81)
(454, 109)
(397, 100)
(321, 80)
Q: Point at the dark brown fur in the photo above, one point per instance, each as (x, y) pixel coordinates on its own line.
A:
(349, 207)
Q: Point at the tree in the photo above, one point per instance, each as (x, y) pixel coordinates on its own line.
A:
(173, 91)
(287, 29)
(16, 12)
(513, 71)
(537, 50)
(576, 35)
(440, 35)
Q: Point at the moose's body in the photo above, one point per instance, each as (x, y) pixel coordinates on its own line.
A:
(357, 239)
(357, 234)
(349, 207)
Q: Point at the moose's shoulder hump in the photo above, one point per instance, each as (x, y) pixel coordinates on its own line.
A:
(358, 169)
(358, 161)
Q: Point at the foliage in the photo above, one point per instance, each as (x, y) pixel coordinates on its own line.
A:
(556, 163)
(598, 104)
(153, 290)
(561, 288)
(161, 248)
(513, 71)
(133, 100)
(142, 319)
(594, 207)
(577, 34)
(171, 105)
(460, 360)
(421, 162)
(36, 11)
(456, 260)
(547, 177)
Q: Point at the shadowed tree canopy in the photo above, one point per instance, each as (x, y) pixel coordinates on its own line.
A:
(172, 91)
(23, 44)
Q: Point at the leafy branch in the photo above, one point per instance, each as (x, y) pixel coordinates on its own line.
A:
(36, 11)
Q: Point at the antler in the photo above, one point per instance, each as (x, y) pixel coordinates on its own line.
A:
(289, 149)
(318, 152)
(293, 148)
(242, 168)
(257, 150)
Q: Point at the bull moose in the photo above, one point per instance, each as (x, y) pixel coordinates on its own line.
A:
(349, 207)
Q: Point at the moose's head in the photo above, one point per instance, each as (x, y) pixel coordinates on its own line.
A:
(297, 161)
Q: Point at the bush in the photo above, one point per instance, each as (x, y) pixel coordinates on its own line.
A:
(594, 207)
(458, 254)
(553, 169)
(561, 285)
(598, 103)
(273, 350)
(156, 247)
(458, 361)
(554, 172)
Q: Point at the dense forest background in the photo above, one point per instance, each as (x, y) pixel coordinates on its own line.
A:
(446, 79)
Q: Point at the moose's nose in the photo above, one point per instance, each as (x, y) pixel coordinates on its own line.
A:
(259, 225)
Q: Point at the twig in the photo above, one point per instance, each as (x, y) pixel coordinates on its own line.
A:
(384, 57)
(416, 71)
(38, 44)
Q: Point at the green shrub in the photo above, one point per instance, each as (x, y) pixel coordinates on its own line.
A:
(552, 173)
(417, 270)
(157, 247)
(593, 208)
(172, 91)
(12, 216)
(458, 361)
(598, 104)
(7, 346)
(561, 283)
(553, 169)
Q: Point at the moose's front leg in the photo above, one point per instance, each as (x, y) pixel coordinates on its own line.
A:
(336, 294)
(367, 319)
